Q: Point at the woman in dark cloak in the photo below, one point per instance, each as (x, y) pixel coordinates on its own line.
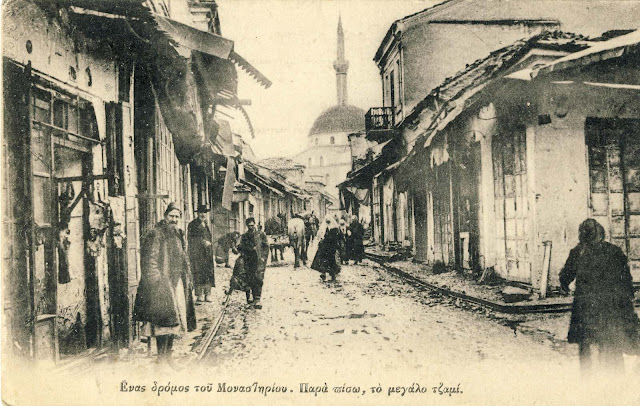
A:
(327, 259)
(603, 312)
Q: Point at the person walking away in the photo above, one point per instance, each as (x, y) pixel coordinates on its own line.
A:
(355, 241)
(603, 313)
(315, 224)
(327, 259)
(344, 259)
(254, 250)
(164, 301)
(201, 254)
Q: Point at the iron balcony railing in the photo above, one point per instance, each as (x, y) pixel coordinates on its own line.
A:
(379, 118)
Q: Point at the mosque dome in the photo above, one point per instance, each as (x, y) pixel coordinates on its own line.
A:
(340, 118)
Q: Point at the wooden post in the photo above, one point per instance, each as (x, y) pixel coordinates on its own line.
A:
(546, 264)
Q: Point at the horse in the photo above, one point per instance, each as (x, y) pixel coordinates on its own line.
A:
(297, 240)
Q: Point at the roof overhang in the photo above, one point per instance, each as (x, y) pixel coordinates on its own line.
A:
(208, 43)
(184, 37)
(597, 52)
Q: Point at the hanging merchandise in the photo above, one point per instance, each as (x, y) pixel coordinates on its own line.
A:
(64, 274)
(65, 200)
(98, 224)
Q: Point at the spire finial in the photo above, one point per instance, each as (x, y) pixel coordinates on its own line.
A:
(341, 65)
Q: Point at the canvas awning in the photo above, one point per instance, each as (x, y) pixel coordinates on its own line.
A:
(208, 43)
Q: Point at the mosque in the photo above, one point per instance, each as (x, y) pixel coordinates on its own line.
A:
(327, 155)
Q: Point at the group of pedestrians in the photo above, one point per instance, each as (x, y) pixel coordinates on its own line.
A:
(338, 243)
(172, 272)
(603, 311)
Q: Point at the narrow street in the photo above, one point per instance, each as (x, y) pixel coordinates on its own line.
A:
(369, 320)
(369, 327)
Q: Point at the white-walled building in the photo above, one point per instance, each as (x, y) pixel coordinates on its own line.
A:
(328, 155)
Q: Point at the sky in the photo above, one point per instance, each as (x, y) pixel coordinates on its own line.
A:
(293, 43)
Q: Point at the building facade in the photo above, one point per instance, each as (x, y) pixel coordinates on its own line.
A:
(97, 140)
(470, 176)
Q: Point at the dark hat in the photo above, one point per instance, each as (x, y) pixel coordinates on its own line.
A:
(171, 207)
(250, 220)
(203, 208)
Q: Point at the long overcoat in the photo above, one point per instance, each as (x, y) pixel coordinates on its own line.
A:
(603, 311)
(327, 257)
(254, 249)
(164, 262)
(201, 254)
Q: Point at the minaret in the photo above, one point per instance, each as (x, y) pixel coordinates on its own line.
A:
(341, 66)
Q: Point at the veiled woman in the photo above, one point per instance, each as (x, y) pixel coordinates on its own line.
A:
(603, 312)
(327, 259)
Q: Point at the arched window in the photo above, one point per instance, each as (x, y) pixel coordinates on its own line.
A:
(316, 141)
(310, 161)
(332, 141)
(321, 161)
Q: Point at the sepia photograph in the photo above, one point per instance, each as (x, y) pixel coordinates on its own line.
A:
(320, 202)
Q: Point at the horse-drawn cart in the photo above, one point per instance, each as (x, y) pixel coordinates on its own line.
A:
(277, 243)
(276, 230)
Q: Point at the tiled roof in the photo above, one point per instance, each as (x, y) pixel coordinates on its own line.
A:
(496, 63)
(276, 163)
(588, 16)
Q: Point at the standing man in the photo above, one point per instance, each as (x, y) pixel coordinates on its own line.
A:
(164, 301)
(201, 254)
(315, 224)
(254, 249)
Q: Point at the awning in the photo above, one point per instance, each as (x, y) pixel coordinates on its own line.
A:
(194, 39)
(596, 52)
(613, 48)
(224, 141)
(208, 43)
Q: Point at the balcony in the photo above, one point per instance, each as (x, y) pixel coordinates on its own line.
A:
(379, 123)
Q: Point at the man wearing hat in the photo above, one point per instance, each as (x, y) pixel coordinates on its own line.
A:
(254, 249)
(164, 300)
(201, 254)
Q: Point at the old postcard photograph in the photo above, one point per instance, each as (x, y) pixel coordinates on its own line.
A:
(320, 202)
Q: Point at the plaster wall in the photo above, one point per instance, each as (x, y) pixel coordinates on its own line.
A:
(425, 44)
(561, 190)
(30, 36)
(336, 159)
(54, 52)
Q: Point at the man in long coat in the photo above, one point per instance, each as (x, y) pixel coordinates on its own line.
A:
(164, 301)
(201, 254)
(603, 312)
(254, 249)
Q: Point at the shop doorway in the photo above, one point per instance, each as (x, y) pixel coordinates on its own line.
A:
(614, 177)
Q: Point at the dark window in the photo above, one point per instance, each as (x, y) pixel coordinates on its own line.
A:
(124, 81)
(392, 88)
(115, 149)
